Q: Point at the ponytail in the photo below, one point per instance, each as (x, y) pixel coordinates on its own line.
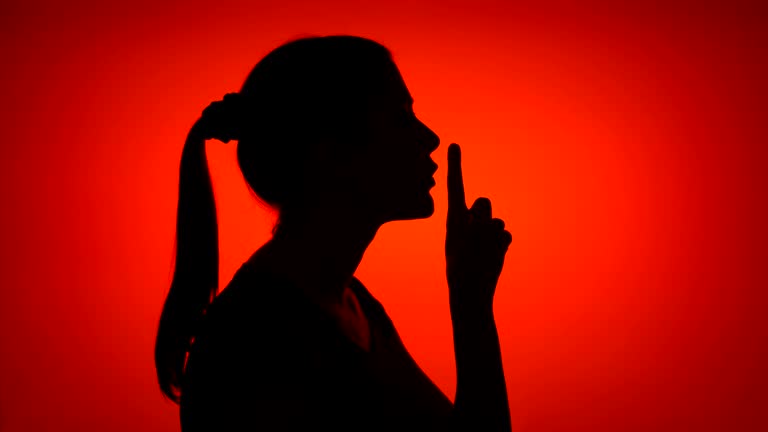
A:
(196, 271)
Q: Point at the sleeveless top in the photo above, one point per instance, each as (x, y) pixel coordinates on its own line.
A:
(267, 358)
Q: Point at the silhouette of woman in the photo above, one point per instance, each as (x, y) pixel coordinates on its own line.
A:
(327, 136)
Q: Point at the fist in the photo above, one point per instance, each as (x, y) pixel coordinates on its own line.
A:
(475, 245)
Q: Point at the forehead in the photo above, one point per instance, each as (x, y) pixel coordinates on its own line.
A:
(392, 87)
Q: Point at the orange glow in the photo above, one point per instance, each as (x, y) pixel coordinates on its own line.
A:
(625, 148)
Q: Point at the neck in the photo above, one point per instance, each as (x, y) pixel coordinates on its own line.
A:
(320, 253)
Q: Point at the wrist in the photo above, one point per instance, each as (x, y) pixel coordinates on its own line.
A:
(465, 314)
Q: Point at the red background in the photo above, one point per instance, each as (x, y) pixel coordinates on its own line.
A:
(624, 146)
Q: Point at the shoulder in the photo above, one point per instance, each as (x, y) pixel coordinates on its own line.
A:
(249, 352)
(258, 323)
(257, 312)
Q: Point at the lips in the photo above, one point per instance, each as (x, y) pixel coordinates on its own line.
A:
(431, 180)
(429, 173)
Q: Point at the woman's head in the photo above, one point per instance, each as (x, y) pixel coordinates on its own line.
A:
(328, 121)
(321, 123)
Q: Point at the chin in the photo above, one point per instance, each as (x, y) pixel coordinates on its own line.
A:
(428, 210)
(421, 209)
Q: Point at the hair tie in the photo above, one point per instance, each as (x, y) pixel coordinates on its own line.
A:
(223, 120)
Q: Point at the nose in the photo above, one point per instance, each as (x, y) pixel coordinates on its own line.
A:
(430, 138)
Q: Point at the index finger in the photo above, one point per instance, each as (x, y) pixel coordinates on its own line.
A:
(456, 200)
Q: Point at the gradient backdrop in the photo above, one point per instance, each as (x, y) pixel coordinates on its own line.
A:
(624, 146)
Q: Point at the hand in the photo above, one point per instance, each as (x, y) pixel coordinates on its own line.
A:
(221, 120)
(475, 246)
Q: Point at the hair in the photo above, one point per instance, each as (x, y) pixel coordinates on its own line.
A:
(305, 91)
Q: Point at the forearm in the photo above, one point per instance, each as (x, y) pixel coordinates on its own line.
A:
(481, 402)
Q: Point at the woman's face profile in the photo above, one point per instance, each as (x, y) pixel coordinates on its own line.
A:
(394, 172)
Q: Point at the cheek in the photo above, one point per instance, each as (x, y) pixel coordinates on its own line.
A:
(382, 169)
(380, 184)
